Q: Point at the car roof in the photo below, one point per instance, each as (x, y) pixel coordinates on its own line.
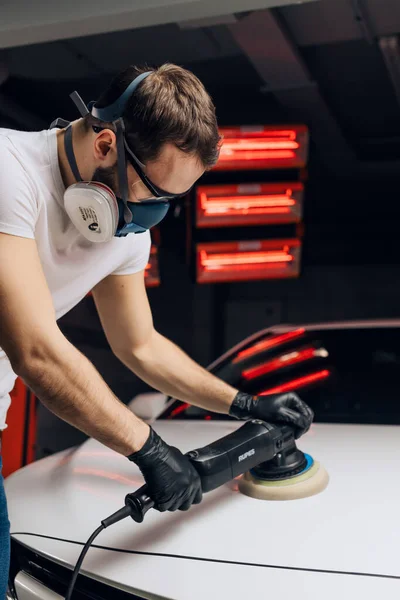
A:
(358, 324)
(324, 325)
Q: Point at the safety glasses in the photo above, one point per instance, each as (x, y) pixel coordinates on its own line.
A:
(158, 193)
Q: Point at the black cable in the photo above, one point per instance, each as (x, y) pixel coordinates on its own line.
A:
(80, 561)
(122, 513)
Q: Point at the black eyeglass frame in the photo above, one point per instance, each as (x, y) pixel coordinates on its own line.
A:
(159, 193)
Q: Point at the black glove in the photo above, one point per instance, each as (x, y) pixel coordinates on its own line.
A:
(172, 480)
(274, 409)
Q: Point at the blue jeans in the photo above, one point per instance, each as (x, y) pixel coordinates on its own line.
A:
(4, 539)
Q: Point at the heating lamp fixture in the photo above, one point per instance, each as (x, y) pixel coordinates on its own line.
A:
(249, 204)
(245, 261)
(263, 147)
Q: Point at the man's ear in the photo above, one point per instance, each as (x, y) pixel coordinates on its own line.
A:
(105, 147)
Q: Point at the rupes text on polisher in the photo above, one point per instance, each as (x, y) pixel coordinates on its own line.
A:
(246, 455)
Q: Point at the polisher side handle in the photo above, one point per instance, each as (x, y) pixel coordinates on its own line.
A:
(139, 503)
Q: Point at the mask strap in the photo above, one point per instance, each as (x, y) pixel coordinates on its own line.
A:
(122, 174)
(59, 123)
(69, 151)
(79, 103)
(115, 110)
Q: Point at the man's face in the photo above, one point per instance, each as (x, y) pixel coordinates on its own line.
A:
(173, 171)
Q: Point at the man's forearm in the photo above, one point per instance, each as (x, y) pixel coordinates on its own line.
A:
(168, 369)
(69, 385)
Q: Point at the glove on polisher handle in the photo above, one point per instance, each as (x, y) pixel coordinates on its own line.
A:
(173, 482)
(223, 460)
(286, 408)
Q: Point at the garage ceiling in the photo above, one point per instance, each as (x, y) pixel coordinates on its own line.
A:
(23, 22)
(333, 64)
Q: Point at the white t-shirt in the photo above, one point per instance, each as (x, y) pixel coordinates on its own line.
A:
(31, 206)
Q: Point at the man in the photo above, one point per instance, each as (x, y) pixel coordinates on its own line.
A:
(148, 139)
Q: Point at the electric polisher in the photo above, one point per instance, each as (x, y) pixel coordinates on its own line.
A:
(273, 467)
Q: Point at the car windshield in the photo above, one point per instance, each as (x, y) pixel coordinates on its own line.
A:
(345, 375)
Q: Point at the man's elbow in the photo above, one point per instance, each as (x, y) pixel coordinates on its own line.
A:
(135, 354)
(30, 357)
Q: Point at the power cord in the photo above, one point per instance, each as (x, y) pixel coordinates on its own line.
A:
(252, 444)
(80, 561)
(114, 518)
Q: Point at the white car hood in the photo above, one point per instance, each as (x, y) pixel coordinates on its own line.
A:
(351, 528)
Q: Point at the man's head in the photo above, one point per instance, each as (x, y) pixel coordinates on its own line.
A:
(170, 125)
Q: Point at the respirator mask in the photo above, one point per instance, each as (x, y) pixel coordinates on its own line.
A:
(92, 206)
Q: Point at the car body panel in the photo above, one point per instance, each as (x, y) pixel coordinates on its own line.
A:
(352, 527)
(167, 578)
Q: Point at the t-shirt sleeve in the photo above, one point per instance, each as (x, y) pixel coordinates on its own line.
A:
(138, 254)
(18, 196)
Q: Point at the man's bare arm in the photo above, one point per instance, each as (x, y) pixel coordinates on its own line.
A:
(62, 378)
(164, 366)
(155, 359)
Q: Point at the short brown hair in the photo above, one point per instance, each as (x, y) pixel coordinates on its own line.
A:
(171, 105)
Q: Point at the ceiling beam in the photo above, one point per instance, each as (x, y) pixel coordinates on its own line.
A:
(265, 40)
(390, 49)
(262, 37)
(337, 21)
